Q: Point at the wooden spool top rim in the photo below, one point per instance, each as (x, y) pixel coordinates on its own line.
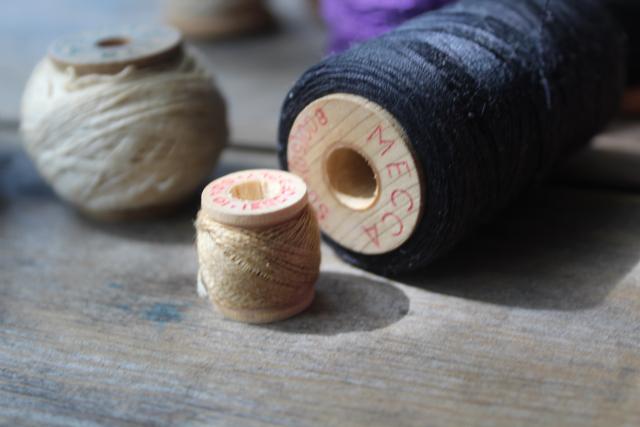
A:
(109, 51)
(254, 198)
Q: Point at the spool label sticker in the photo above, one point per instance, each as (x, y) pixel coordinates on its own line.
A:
(361, 173)
(253, 197)
(276, 188)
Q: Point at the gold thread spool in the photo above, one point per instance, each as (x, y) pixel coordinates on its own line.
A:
(363, 178)
(258, 245)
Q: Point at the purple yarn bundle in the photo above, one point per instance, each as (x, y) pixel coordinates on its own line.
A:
(352, 21)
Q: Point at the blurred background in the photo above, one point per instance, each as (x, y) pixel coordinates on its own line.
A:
(253, 67)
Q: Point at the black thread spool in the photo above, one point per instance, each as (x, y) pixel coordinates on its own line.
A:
(485, 95)
(627, 12)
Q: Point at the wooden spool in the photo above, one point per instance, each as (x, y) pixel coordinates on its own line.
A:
(256, 199)
(200, 19)
(110, 51)
(363, 178)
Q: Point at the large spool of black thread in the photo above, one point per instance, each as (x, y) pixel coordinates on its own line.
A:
(485, 96)
(627, 13)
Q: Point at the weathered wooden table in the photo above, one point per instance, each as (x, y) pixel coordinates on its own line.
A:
(533, 320)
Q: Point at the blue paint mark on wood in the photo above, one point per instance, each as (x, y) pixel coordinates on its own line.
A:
(114, 285)
(163, 313)
(123, 307)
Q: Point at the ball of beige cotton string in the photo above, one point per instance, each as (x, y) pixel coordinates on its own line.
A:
(123, 122)
(258, 245)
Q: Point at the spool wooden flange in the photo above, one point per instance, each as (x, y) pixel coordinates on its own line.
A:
(363, 178)
(256, 199)
(110, 51)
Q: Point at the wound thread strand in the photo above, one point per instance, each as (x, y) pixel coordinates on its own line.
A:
(115, 143)
(492, 94)
(262, 268)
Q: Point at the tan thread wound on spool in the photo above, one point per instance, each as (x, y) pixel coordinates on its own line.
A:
(112, 118)
(361, 172)
(258, 245)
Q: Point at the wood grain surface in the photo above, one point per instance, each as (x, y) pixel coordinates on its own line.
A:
(534, 320)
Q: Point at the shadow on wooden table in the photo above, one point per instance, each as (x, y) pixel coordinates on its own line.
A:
(175, 226)
(348, 303)
(558, 248)
(20, 184)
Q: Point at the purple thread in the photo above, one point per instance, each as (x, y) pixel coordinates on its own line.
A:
(353, 21)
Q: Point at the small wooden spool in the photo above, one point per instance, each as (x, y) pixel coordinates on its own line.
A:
(256, 199)
(364, 181)
(110, 51)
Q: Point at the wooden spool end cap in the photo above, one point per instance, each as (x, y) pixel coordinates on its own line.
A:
(257, 316)
(254, 198)
(364, 180)
(267, 315)
(110, 51)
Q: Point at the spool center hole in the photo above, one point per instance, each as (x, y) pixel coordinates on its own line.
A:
(254, 190)
(351, 178)
(112, 42)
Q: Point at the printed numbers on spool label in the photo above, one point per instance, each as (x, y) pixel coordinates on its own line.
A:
(277, 195)
(300, 140)
(301, 137)
(363, 179)
(256, 197)
(321, 209)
